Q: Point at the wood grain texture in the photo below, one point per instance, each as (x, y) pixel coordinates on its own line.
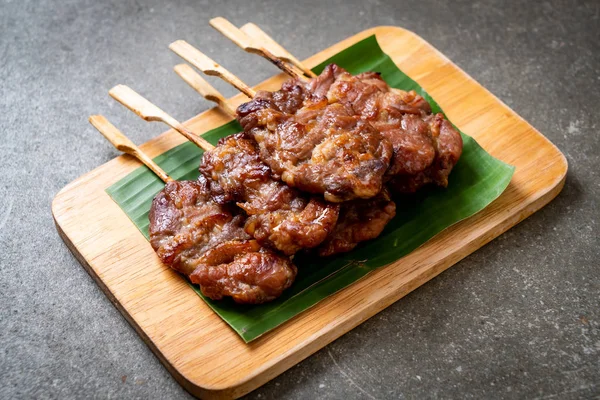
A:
(196, 346)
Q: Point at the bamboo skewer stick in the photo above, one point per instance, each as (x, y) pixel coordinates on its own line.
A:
(201, 86)
(195, 57)
(205, 89)
(269, 43)
(250, 45)
(122, 143)
(149, 112)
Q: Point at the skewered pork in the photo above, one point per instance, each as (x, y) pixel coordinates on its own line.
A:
(280, 217)
(360, 220)
(203, 239)
(426, 146)
(206, 241)
(319, 147)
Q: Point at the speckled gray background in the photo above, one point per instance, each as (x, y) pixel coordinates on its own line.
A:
(517, 319)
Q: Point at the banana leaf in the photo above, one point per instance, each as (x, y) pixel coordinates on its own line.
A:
(475, 182)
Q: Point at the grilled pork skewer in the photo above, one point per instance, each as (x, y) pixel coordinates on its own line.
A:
(308, 143)
(205, 240)
(360, 220)
(280, 217)
(426, 146)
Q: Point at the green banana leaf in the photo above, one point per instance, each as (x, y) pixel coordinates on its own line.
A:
(476, 181)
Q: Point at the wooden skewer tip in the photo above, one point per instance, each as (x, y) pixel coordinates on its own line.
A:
(206, 90)
(150, 112)
(268, 42)
(249, 44)
(125, 145)
(209, 67)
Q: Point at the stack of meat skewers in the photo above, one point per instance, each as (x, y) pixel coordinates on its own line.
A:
(313, 170)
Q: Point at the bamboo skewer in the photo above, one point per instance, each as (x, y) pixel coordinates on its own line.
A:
(245, 38)
(206, 90)
(122, 143)
(250, 45)
(275, 48)
(149, 112)
(192, 55)
(201, 86)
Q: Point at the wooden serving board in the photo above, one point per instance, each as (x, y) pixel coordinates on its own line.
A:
(208, 358)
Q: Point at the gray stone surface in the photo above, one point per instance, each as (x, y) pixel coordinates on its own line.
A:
(517, 319)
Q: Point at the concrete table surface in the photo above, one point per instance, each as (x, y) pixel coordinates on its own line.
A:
(517, 319)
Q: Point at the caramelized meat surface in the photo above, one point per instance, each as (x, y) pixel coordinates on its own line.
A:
(245, 271)
(448, 145)
(426, 147)
(189, 232)
(318, 148)
(360, 220)
(370, 96)
(185, 222)
(279, 216)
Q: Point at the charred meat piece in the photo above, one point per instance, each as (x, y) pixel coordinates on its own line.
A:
(414, 147)
(287, 100)
(184, 223)
(245, 271)
(370, 96)
(279, 216)
(318, 148)
(426, 147)
(189, 232)
(360, 220)
(448, 145)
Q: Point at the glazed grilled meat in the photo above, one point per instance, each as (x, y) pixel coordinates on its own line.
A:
(279, 216)
(369, 94)
(206, 241)
(243, 270)
(447, 144)
(293, 124)
(426, 146)
(359, 221)
(184, 223)
(315, 146)
(348, 138)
